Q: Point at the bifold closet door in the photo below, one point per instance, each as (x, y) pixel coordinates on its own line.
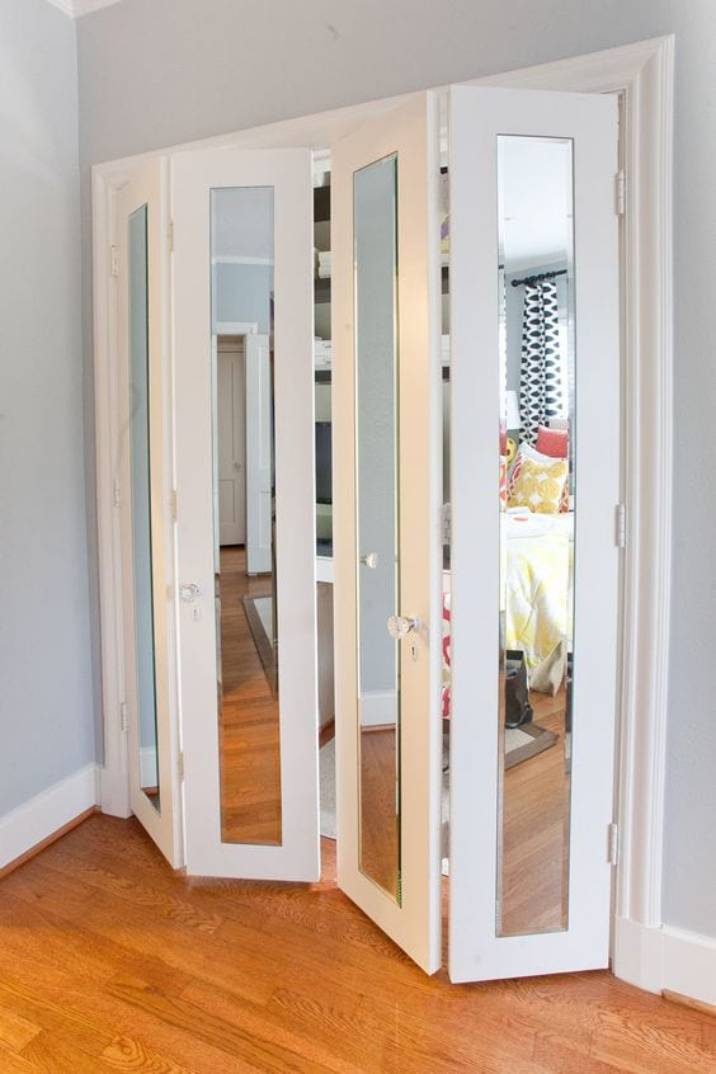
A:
(386, 511)
(243, 271)
(143, 486)
(534, 565)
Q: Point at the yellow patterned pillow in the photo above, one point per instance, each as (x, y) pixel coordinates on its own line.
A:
(539, 485)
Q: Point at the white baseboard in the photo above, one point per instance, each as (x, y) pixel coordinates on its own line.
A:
(666, 959)
(23, 828)
(148, 766)
(377, 708)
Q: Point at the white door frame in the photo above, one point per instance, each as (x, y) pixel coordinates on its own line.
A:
(643, 74)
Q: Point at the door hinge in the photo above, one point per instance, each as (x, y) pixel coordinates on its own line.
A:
(180, 766)
(173, 504)
(114, 261)
(620, 192)
(170, 233)
(620, 525)
(116, 493)
(613, 844)
(124, 717)
(446, 523)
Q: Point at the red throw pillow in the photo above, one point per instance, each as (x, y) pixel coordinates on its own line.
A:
(552, 442)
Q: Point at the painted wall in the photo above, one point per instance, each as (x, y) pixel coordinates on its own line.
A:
(154, 74)
(47, 723)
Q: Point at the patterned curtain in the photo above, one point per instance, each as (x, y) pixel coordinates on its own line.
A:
(541, 385)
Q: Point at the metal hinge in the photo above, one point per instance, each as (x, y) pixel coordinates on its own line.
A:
(446, 523)
(613, 844)
(180, 766)
(173, 504)
(170, 232)
(124, 717)
(620, 192)
(620, 525)
(116, 493)
(114, 261)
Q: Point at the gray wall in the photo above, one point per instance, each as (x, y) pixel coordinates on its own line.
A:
(157, 72)
(46, 704)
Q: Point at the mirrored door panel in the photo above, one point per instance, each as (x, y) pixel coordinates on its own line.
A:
(376, 348)
(243, 274)
(535, 430)
(147, 755)
(537, 503)
(385, 295)
(244, 499)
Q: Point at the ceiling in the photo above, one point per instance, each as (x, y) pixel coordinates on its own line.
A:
(76, 8)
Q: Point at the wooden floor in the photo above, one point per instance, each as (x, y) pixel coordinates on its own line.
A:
(110, 962)
(535, 834)
(249, 721)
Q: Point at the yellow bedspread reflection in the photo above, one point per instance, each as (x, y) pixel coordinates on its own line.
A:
(536, 577)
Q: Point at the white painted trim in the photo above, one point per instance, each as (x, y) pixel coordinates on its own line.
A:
(114, 779)
(77, 8)
(236, 328)
(667, 959)
(377, 708)
(23, 828)
(229, 260)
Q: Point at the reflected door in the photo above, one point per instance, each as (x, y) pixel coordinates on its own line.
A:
(535, 412)
(143, 480)
(386, 503)
(243, 269)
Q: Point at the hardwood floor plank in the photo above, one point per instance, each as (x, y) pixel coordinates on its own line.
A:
(113, 962)
(16, 1031)
(130, 1055)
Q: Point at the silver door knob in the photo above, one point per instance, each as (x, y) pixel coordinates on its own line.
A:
(399, 626)
(370, 559)
(188, 593)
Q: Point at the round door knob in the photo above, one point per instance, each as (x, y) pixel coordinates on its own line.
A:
(370, 559)
(189, 592)
(399, 626)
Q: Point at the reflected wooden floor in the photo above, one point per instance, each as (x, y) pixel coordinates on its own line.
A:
(249, 744)
(536, 831)
(379, 823)
(110, 962)
(536, 828)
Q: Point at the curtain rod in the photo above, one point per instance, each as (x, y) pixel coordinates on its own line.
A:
(539, 276)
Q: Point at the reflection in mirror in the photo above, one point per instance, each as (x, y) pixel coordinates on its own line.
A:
(141, 504)
(537, 498)
(242, 253)
(376, 267)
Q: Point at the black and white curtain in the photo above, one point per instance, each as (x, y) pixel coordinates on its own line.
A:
(541, 388)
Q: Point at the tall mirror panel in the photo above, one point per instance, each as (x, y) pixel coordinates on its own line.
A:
(140, 476)
(242, 274)
(537, 505)
(377, 538)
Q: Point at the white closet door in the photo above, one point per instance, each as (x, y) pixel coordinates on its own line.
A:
(386, 512)
(243, 253)
(231, 478)
(513, 156)
(144, 481)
